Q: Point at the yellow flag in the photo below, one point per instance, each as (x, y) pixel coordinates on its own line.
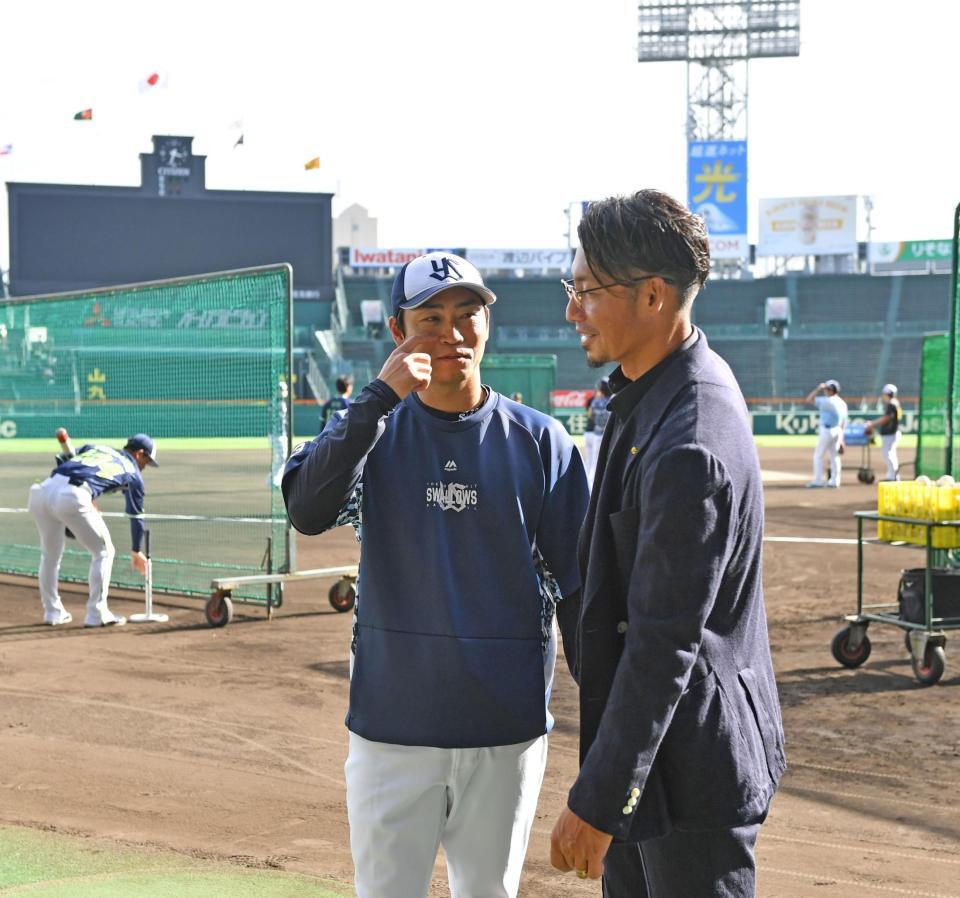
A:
(313, 163)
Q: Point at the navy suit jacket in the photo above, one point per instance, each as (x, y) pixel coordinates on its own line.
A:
(679, 716)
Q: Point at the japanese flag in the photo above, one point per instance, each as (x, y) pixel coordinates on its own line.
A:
(152, 82)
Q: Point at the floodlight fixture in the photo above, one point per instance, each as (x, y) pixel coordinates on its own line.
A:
(717, 30)
(717, 39)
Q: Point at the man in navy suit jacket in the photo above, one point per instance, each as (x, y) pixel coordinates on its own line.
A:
(681, 738)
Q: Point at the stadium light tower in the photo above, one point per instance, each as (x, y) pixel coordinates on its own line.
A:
(717, 39)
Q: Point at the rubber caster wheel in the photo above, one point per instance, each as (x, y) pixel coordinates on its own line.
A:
(847, 656)
(931, 668)
(218, 611)
(342, 596)
(865, 475)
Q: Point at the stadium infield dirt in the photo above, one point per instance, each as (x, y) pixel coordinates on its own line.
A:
(229, 744)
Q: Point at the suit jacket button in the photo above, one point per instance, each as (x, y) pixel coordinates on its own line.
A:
(627, 809)
(622, 627)
(634, 792)
(632, 801)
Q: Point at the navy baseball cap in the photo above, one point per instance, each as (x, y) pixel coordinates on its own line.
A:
(142, 441)
(433, 273)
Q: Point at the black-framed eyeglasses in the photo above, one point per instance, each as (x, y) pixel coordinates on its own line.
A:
(577, 295)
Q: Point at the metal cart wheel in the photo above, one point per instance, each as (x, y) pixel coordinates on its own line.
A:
(342, 596)
(218, 610)
(866, 475)
(847, 655)
(931, 668)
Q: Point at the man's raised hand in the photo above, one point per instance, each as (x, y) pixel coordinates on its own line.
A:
(409, 367)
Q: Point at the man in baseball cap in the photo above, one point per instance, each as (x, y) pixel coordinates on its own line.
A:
(142, 441)
(432, 274)
(65, 500)
(889, 426)
(833, 419)
(471, 504)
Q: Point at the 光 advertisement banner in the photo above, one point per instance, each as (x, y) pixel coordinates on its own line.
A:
(717, 192)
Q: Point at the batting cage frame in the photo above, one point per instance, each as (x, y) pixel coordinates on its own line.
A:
(204, 364)
(938, 438)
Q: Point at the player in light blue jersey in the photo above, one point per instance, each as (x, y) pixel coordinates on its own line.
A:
(833, 420)
(66, 500)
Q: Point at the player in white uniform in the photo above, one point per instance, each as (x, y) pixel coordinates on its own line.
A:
(65, 500)
(833, 420)
(597, 415)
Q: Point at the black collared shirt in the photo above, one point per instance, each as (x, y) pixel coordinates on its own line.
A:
(628, 393)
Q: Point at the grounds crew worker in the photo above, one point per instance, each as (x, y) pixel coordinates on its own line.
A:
(65, 499)
(468, 506)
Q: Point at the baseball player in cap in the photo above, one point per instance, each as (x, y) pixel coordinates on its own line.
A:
(468, 505)
(833, 419)
(889, 426)
(66, 500)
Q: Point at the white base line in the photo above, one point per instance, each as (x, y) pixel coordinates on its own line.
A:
(147, 518)
(819, 540)
(811, 540)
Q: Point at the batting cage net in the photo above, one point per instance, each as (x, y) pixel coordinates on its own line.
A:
(203, 365)
(932, 433)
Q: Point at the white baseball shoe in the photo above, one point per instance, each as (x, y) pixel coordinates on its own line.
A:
(60, 617)
(115, 622)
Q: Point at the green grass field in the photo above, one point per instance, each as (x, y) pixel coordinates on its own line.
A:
(43, 446)
(46, 446)
(53, 865)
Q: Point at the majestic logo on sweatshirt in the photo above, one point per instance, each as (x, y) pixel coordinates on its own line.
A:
(450, 466)
(451, 496)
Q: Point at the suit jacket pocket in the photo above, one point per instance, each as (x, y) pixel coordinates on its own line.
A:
(762, 717)
(624, 526)
(713, 770)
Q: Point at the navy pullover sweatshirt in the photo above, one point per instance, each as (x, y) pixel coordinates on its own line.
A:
(468, 535)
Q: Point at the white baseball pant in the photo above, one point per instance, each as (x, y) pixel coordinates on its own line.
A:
(889, 443)
(591, 448)
(54, 505)
(405, 801)
(829, 443)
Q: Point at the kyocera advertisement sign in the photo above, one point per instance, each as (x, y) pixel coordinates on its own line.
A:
(808, 226)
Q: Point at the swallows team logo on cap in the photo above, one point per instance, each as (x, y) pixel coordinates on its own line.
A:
(444, 269)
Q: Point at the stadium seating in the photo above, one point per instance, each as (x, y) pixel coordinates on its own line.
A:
(863, 330)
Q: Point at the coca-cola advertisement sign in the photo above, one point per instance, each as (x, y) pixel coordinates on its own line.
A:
(570, 398)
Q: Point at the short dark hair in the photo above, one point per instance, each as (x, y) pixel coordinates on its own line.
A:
(648, 231)
(344, 383)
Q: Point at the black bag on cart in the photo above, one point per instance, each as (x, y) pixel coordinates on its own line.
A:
(912, 594)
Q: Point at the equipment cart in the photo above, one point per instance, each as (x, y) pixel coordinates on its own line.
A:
(856, 435)
(924, 640)
(219, 607)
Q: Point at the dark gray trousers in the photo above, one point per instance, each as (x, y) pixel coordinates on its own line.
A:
(712, 864)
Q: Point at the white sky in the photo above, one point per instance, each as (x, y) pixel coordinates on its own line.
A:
(475, 124)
